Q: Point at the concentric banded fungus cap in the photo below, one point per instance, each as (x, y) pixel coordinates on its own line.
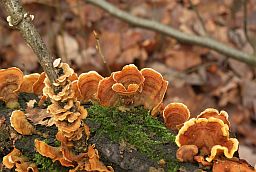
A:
(88, 85)
(232, 165)
(175, 114)
(20, 123)
(10, 82)
(128, 81)
(211, 136)
(154, 88)
(74, 87)
(39, 84)
(105, 95)
(186, 153)
(28, 82)
(210, 112)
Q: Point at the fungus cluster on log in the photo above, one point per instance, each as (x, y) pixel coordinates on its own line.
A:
(131, 87)
(204, 139)
(20, 162)
(13, 81)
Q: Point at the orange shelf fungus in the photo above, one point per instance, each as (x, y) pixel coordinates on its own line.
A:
(88, 85)
(20, 162)
(175, 114)
(186, 153)
(54, 153)
(66, 111)
(75, 88)
(128, 81)
(232, 165)
(201, 160)
(154, 88)
(210, 112)
(93, 163)
(105, 94)
(28, 82)
(211, 136)
(65, 72)
(10, 82)
(131, 87)
(20, 123)
(39, 84)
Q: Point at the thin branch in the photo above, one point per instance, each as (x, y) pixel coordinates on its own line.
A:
(21, 20)
(246, 28)
(98, 47)
(201, 21)
(180, 36)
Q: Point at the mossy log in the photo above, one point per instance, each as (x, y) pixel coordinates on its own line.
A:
(127, 139)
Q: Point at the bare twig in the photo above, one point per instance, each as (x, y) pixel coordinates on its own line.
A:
(180, 36)
(21, 20)
(201, 21)
(98, 47)
(250, 41)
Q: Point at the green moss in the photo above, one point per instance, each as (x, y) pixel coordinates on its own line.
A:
(46, 164)
(43, 163)
(135, 127)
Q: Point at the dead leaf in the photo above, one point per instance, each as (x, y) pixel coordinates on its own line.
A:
(68, 47)
(181, 57)
(248, 93)
(240, 68)
(246, 152)
(130, 38)
(39, 116)
(132, 53)
(27, 59)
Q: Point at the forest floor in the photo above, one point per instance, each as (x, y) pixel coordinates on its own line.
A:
(198, 77)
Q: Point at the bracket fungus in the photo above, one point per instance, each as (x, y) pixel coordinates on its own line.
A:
(92, 163)
(131, 87)
(20, 162)
(88, 84)
(127, 81)
(66, 110)
(232, 165)
(175, 114)
(10, 82)
(154, 89)
(28, 82)
(186, 153)
(39, 84)
(210, 112)
(20, 123)
(64, 156)
(210, 135)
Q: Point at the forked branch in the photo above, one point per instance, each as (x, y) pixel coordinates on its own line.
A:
(178, 35)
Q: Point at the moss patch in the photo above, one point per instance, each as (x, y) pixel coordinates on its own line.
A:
(46, 164)
(136, 128)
